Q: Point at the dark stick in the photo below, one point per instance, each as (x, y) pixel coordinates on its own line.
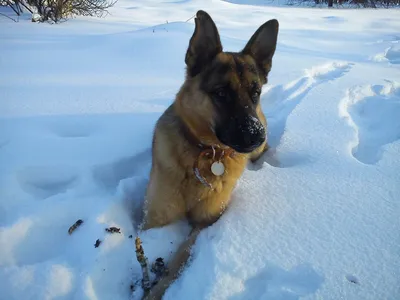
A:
(142, 259)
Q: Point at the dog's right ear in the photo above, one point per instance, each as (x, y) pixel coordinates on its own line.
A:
(204, 45)
(262, 45)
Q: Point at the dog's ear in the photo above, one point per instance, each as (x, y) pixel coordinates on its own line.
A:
(204, 45)
(262, 45)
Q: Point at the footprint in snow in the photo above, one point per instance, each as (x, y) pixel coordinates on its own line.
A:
(373, 111)
(334, 19)
(46, 181)
(110, 174)
(390, 55)
(352, 279)
(280, 101)
(278, 284)
(73, 129)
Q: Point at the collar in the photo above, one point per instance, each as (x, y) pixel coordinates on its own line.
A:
(215, 153)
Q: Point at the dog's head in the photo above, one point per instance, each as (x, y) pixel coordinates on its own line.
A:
(220, 98)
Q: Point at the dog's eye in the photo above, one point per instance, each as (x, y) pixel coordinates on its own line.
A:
(220, 93)
(254, 96)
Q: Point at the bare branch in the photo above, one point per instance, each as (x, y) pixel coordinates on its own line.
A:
(142, 259)
(16, 10)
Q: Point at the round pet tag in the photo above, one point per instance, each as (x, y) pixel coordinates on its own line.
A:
(217, 168)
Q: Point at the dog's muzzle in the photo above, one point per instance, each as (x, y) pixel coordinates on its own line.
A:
(244, 134)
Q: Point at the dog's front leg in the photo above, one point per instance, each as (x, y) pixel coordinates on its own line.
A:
(175, 267)
(254, 156)
(164, 203)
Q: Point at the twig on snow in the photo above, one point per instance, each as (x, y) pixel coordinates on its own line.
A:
(142, 259)
(159, 269)
(75, 226)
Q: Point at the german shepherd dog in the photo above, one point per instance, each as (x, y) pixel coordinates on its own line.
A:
(205, 138)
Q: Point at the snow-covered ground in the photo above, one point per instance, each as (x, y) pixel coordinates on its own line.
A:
(317, 218)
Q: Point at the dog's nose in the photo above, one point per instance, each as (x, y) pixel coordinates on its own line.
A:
(243, 133)
(254, 132)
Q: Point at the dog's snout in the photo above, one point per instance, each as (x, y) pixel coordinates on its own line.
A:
(254, 126)
(253, 141)
(244, 133)
(252, 132)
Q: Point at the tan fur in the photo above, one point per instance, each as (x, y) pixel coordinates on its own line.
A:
(174, 192)
(256, 154)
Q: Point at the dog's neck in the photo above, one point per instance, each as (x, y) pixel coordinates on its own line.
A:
(192, 139)
(215, 153)
(194, 133)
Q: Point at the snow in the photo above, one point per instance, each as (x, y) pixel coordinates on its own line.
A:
(316, 218)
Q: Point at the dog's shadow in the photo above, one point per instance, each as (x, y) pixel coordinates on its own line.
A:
(276, 283)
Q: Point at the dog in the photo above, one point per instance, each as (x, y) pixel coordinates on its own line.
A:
(205, 138)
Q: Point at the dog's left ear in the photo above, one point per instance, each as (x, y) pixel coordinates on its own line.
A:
(262, 45)
(204, 45)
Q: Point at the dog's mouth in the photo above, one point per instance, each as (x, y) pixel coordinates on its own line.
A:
(245, 147)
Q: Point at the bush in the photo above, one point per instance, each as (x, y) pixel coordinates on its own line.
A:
(57, 10)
